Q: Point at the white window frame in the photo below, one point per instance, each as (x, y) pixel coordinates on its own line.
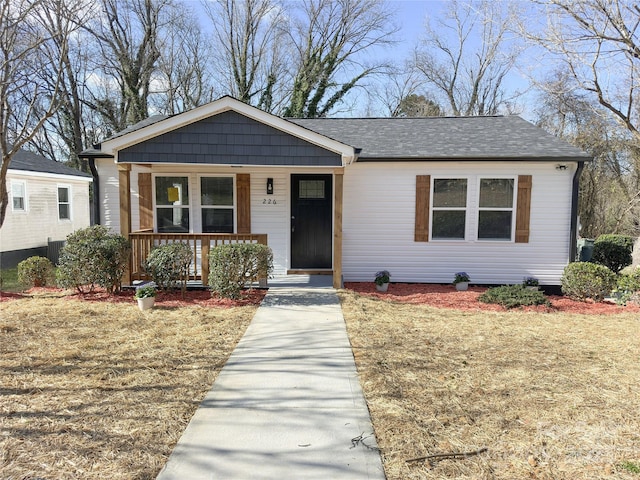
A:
(512, 209)
(233, 207)
(68, 202)
(433, 208)
(156, 206)
(23, 184)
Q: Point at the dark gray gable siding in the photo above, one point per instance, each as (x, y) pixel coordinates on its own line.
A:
(229, 138)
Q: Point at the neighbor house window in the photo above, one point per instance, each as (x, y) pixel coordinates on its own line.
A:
(449, 209)
(495, 209)
(172, 204)
(216, 200)
(64, 202)
(18, 196)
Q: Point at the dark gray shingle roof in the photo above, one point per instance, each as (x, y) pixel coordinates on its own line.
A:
(32, 162)
(456, 138)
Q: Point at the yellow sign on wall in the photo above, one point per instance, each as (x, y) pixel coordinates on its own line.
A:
(173, 194)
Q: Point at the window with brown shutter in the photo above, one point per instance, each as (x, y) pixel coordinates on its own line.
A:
(523, 211)
(145, 200)
(243, 187)
(423, 185)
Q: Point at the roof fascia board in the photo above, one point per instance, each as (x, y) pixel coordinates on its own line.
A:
(61, 176)
(476, 159)
(222, 105)
(231, 165)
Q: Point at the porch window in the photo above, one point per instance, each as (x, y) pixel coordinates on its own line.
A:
(449, 210)
(64, 202)
(495, 212)
(172, 204)
(216, 200)
(18, 196)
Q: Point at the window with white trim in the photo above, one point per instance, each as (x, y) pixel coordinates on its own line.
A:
(64, 202)
(449, 209)
(172, 204)
(495, 209)
(217, 205)
(18, 196)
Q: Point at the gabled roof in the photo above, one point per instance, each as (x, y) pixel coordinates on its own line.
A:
(380, 139)
(159, 125)
(445, 138)
(27, 161)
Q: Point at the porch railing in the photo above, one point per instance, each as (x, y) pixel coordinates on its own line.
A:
(142, 242)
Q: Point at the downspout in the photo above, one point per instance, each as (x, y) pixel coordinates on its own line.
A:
(573, 235)
(96, 191)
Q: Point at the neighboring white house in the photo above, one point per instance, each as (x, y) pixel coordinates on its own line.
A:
(47, 201)
(421, 197)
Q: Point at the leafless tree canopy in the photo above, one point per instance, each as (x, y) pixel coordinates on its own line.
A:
(595, 45)
(75, 71)
(28, 35)
(248, 39)
(465, 57)
(329, 38)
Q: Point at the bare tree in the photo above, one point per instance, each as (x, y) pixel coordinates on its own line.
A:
(466, 56)
(25, 102)
(329, 38)
(66, 132)
(183, 73)
(598, 43)
(610, 185)
(248, 39)
(127, 40)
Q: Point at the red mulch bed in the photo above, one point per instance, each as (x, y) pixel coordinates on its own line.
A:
(446, 296)
(202, 298)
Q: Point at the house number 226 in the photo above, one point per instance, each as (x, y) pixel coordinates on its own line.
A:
(268, 202)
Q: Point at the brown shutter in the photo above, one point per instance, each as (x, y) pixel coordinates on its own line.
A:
(523, 212)
(243, 189)
(146, 201)
(423, 186)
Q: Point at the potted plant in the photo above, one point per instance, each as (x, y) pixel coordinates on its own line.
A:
(530, 283)
(146, 295)
(461, 281)
(382, 280)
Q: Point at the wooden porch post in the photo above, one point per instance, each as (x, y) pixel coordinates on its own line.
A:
(337, 228)
(124, 182)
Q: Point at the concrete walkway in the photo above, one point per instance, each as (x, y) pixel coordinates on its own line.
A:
(288, 403)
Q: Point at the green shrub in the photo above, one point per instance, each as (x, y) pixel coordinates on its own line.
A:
(613, 251)
(627, 285)
(232, 266)
(92, 256)
(582, 280)
(511, 296)
(36, 272)
(168, 265)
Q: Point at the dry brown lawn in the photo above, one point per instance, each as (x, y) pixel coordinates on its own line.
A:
(101, 390)
(549, 395)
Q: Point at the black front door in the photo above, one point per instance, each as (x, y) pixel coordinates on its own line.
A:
(311, 221)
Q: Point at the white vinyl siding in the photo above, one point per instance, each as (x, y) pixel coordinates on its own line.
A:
(32, 228)
(379, 218)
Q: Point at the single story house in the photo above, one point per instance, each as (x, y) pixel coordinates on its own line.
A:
(47, 202)
(421, 197)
